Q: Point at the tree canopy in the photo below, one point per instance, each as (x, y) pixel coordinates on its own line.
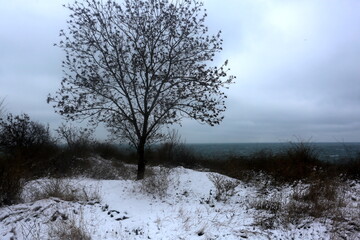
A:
(19, 132)
(140, 65)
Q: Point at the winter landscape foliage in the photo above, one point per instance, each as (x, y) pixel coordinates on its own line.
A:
(138, 67)
(88, 190)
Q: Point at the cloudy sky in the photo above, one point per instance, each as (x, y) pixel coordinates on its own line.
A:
(297, 65)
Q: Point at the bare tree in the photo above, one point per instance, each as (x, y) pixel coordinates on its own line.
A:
(140, 65)
(75, 136)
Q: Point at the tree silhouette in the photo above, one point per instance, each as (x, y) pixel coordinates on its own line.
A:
(140, 65)
(19, 133)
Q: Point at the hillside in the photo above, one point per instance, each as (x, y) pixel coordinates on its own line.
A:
(172, 204)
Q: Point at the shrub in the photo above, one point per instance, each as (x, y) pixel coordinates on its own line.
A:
(302, 152)
(173, 155)
(74, 136)
(11, 181)
(298, 162)
(108, 151)
(173, 152)
(79, 140)
(225, 187)
(62, 189)
(107, 169)
(66, 164)
(185, 156)
(349, 167)
(27, 143)
(272, 205)
(123, 171)
(19, 132)
(166, 153)
(321, 198)
(157, 181)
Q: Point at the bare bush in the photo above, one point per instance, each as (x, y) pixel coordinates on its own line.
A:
(225, 187)
(11, 181)
(63, 189)
(270, 208)
(74, 136)
(20, 132)
(25, 149)
(158, 181)
(302, 151)
(79, 140)
(107, 169)
(167, 150)
(320, 199)
(27, 143)
(124, 171)
(109, 151)
(174, 152)
(272, 205)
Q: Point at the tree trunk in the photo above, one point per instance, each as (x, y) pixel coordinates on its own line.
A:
(141, 161)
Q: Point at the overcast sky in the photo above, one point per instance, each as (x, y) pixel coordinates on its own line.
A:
(297, 65)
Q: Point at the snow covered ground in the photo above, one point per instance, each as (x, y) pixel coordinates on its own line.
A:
(122, 209)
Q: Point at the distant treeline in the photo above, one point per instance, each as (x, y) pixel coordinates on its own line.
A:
(29, 151)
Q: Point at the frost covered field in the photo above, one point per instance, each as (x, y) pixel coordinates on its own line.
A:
(173, 203)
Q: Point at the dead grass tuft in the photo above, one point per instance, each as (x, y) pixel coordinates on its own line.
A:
(63, 189)
(158, 180)
(319, 199)
(225, 186)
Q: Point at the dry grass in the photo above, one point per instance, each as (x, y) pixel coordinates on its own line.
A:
(69, 229)
(225, 187)
(322, 197)
(63, 189)
(272, 205)
(319, 199)
(158, 180)
(107, 169)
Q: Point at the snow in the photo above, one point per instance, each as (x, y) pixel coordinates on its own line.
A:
(188, 210)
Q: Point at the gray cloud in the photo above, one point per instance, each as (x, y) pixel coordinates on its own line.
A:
(297, 65)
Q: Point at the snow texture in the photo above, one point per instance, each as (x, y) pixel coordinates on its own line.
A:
(188, 210)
